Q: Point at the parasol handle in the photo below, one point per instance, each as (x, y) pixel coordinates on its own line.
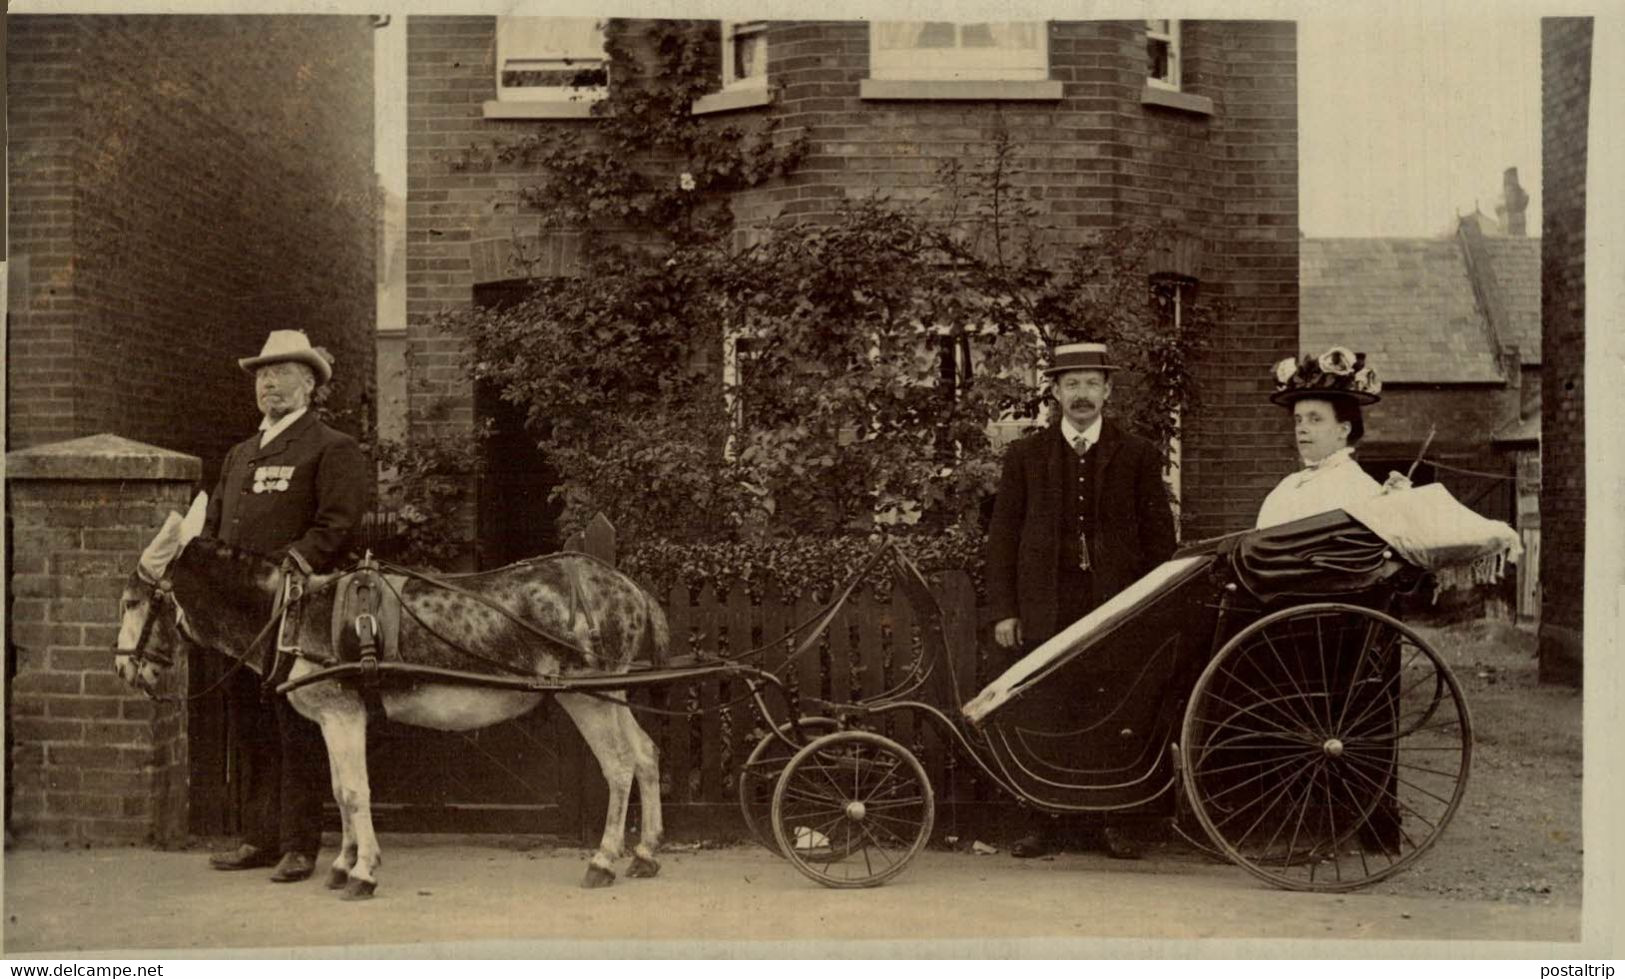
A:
(1432, 431)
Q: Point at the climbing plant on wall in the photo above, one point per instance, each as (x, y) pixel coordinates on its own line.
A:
(699, 380)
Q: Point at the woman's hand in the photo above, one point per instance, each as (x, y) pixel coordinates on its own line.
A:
(1396, 481)
(1008, 633)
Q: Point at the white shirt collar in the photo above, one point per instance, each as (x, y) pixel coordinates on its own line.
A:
(271, 429)
(1071, 433)
(1337, 458)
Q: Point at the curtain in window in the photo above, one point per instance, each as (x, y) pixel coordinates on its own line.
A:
(899, 35)
(907, 35)
(552, 37)
(1020, 35)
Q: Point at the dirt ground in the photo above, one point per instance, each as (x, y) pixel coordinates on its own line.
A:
(1516, 837)
(494, 900)
(1508, 869)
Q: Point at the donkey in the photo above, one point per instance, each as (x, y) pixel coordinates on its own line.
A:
(495, 623)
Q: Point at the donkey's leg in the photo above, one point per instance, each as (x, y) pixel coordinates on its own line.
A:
(346, 734)
(646, 762)
(339, 874)
(599, 727)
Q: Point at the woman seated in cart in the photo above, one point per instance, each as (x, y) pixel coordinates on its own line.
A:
(1325, 395)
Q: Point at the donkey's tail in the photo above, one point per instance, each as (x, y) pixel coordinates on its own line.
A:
(657, 637)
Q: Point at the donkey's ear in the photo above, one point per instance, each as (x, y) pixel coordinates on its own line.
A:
(155, 559)
(192, 523)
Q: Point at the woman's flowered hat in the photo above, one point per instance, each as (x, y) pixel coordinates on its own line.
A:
(1337, 373)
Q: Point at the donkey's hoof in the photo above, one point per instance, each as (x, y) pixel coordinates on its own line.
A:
(643, 867)
(336, 878)
(358, 889)
(598, 876)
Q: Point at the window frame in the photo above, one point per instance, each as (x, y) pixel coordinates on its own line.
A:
(958, 64)
(1173, 38)
(731, 31)
(534, 94)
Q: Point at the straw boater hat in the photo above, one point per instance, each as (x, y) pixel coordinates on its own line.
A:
(291, 345)
(1079, 357)
(1337, 373)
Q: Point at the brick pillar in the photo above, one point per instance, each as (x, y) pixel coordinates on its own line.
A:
(92, 760)
(1565, 66)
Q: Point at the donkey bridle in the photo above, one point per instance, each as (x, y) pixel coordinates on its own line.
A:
(163, 592)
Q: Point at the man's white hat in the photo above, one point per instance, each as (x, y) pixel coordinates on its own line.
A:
(1079, 357)
(291, 345)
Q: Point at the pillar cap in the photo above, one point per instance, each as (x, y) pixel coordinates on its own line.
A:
(104, 456)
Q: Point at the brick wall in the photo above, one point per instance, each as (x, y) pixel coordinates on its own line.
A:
(1237, 446)
(91, 760)
(42, 60)
(1565, 58)
(186, 185)
(451, 71)
(1093, 159)
(1466, 415)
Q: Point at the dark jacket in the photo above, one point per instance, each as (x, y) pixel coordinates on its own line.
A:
(1134, 529)
(316, 489)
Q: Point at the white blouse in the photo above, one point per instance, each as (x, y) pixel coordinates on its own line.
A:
(1331, 484)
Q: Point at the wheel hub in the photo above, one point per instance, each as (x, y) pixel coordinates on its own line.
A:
(855, 811)
(1333, 747)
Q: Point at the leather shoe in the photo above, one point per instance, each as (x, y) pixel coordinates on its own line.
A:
(245, 857)
(1117, 845)
(1031, 845)
(292, 867)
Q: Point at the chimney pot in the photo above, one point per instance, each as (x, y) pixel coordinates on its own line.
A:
(1515, 201)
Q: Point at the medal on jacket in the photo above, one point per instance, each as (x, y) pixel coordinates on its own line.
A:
(272, 479)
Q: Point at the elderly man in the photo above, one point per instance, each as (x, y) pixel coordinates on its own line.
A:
(296, 491)
(1081, 513)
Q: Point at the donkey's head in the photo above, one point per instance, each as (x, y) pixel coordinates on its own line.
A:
(150, 620)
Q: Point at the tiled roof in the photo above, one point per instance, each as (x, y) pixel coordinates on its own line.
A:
(1406, 302)
(1517, 269)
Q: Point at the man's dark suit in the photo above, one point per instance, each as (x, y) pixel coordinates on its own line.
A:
(1032, 554)
(317, 509)
(313, 487)
(1134, 529)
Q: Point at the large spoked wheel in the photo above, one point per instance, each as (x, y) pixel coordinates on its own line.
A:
(760, 776)
(852, 809)
(1325, 747)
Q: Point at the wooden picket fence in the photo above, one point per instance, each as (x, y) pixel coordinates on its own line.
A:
(867, 649)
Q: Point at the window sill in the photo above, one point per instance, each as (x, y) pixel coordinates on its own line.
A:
(1183, 101)
(979, 91)
(730, 100)
(581, 109)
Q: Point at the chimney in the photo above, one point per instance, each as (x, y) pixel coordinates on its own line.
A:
(1514, 202)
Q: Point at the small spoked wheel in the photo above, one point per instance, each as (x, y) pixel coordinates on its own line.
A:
(1325, 747)
(760, 776)
(852, 809)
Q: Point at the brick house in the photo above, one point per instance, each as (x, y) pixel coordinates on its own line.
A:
(1452, 326)
(1190, 123)
(179, 186)
(1565, 70)
(1205, 138)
